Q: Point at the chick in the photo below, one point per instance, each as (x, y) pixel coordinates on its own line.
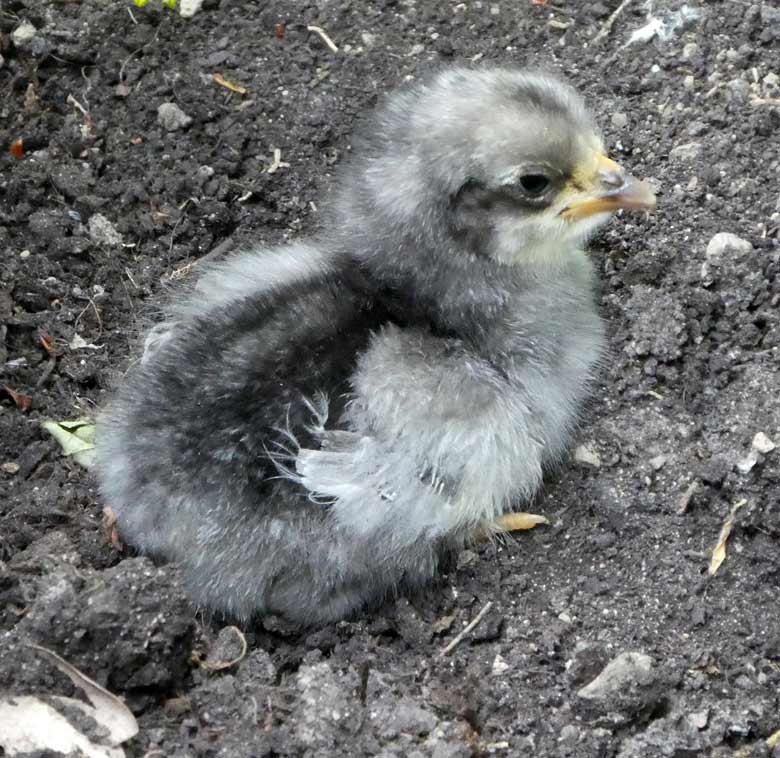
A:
(316, 426)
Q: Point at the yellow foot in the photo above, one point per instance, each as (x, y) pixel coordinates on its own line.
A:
(514, 522)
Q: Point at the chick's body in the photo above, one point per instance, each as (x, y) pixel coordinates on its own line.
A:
(316, 426)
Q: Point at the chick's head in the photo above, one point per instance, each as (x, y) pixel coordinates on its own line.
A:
(500, 164)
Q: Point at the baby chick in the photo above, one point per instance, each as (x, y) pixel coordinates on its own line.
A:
(317, 425)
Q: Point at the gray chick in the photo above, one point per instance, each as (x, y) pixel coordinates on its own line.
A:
(316, 426)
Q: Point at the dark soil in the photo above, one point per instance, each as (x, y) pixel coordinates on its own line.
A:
(107, 209)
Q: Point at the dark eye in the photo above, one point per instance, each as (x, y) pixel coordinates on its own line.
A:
(534, 184)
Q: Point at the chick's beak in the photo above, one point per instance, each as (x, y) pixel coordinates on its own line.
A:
(604, 187)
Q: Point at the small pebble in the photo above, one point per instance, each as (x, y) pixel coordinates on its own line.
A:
(587, 454)
(746, 464)
(619, 120)
(725, 242)
(690, 50)
(569, 733)
(24, 254)
(689, 151)
(771, 85)
(762, 444)
(23, 34)
(621, 673)
(10, 467)
(103, 232)
(499, 665)
(171, 117)
(699, 719)
(658, 462)
(188, 8)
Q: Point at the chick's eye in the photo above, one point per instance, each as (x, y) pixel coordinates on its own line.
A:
(534, 184)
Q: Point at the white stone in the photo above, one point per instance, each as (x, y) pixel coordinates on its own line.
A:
(499, 665)
(746, 464)
(725, 242)
(23, 34)
(188, 8)
(172, 117)
(762, 443)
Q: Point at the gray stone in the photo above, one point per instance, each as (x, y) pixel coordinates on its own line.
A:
(771, 85)
(690, 50)
(686, 152)
(721, 246)
(619, 120)
(658, 462)
(621, 673)
(103, 232)
(746, 464)
(171, 117)
(587, 455)
(404, 717)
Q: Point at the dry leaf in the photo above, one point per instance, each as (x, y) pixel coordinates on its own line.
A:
(47, 343)
(16, 149)
(23, 402)
(31, 725)
(279, 30)
(77, 439)
(219, 665)
(110, 534)
(719, 553)
(79, 343)
(109, 710)
(219, 79)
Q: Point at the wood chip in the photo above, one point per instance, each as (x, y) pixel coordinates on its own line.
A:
(21, 401)
(227, 84)
(719, 553)
(690, 491)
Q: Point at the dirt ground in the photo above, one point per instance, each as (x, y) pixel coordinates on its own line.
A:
(108, 207)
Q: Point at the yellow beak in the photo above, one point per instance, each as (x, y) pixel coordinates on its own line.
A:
(602, 186)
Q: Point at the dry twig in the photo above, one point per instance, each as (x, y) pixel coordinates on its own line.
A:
(466, 629)
(325, 38)
(609, 23)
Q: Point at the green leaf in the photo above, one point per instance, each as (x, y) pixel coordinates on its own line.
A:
(169, 3)
(140, 3)
(76, 438)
